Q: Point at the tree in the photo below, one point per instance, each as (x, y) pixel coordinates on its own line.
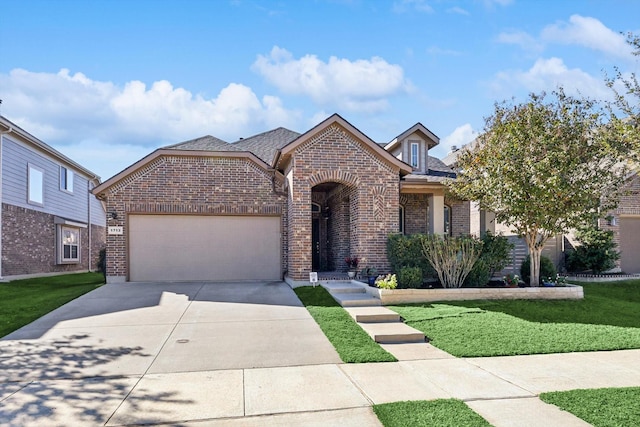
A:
(625, 110)
(544, 167)
(597, 250)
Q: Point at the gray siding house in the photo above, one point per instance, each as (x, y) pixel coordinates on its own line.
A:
(50, 222)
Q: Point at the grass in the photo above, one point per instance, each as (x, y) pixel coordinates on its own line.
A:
(351, 342)
(435, 413)
(604, 407)
(607, 319)
(23, 301)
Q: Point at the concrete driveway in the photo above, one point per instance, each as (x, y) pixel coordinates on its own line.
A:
(97, 347)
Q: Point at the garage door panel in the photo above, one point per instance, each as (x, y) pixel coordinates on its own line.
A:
(630, 244)
(184, 247)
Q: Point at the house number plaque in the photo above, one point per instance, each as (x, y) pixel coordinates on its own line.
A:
(115, 230)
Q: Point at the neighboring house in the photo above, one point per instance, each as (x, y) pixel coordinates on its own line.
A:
(51, 223)
(625, 224)
(278, 204)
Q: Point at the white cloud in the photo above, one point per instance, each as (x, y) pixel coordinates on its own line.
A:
(72, 110)
(547, 75)
(520, 38)
(460, 136)
(404, 6)
(588, 32)
(491, 3)
(360, 85)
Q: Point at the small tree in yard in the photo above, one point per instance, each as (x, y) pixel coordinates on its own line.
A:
(544, 166)
(597, 250)
(451, 257)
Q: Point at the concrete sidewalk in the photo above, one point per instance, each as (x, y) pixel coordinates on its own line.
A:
(197, 354)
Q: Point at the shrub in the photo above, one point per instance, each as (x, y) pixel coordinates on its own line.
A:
(496, 252)
(102, 262)
(495, 255)
(406, 251)
(596, 251)
(547, 269)
(452, 257)
(387, 282)
(410, 277)
(479, 274)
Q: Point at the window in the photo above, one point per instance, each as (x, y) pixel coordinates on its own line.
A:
(315, 208)
(66, 179)
(415, 150)
(447, 220)
(69, 245)
(401, 220)
(35, 185)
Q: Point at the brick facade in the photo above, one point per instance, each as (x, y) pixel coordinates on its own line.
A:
(335, 156)
(416, 214)
(198, 185)
(29, 243)
(629, 206)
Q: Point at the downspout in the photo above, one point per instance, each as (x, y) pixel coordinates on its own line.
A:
(89, 222)
(9, 130)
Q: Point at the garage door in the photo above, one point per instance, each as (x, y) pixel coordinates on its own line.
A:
(630, 244)
(212, 248)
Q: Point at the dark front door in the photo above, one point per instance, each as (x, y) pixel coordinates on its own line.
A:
(315, 244)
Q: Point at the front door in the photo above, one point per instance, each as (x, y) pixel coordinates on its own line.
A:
(315, 244)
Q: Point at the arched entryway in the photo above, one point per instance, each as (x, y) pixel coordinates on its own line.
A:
(332, 225)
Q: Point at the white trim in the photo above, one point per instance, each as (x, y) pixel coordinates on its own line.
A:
(416, 144)
(68, 179)
(61, 228)
(30, 167)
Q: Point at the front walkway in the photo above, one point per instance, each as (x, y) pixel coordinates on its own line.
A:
(90, 364)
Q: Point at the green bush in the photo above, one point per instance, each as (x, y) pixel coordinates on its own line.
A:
(495, 255)
(406, 251)
(547, 269)
(102, 262)
(410, 277)
(389, 281)
(479, 275)
(596, 251)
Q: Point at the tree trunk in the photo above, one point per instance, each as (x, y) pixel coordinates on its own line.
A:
(535, 253)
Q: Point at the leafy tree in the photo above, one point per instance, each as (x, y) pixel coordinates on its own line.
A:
(625, 110)
(544, 166)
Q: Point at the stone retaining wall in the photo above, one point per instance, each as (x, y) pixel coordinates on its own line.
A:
(403, 296)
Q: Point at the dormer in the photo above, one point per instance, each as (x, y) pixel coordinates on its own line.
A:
(412, 147)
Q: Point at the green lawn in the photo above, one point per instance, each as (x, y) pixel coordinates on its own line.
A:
(604, 407)
(23, 301)
(350, 341)
(607, 319)
(422, 413)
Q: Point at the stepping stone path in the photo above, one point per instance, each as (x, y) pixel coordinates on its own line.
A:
(383, 325)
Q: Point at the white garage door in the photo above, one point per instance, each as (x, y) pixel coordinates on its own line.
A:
(630, 244)
(212, 248)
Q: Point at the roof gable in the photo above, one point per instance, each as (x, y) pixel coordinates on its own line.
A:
(287, 151)
(431, 138)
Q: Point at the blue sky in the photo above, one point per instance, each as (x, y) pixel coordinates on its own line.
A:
(107, 82)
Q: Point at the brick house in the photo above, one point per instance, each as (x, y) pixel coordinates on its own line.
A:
(278, 204)
(625, 224)
(51, 223)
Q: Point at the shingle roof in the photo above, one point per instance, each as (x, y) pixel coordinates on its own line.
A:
(204, 143)
(437, 165)
(264, 145)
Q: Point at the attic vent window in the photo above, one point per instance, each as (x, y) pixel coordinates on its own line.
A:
(415, 149)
